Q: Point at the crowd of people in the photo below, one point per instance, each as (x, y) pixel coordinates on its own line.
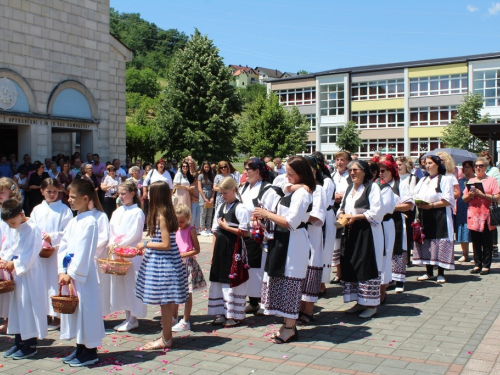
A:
(279, 230)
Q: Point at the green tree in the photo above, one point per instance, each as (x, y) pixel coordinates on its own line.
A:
(196, 114)
(144, 82)
(457, 133)
(303, 72)
(250, 93)
(140, 129)
(266, 128)
(348, 138)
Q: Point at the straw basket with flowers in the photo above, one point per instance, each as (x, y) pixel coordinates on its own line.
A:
(46, 252)
(65, 304)
(113, 266)
(7, 286)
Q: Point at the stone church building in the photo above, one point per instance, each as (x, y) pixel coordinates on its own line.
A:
(62, 79)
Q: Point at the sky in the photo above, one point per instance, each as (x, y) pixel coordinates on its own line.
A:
(318, 35)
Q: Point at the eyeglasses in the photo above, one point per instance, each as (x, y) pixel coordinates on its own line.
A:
(353, 170)
(382, 170)
(223, 167)
(479, 165)
(249, 169)
(185, 166)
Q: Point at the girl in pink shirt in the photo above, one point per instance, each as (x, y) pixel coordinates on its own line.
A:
(187, 241)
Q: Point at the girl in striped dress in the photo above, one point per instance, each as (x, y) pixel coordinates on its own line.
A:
(162, 278)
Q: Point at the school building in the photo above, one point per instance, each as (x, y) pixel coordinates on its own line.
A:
(400, 108)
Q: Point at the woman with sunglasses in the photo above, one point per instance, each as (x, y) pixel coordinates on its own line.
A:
(110, 187)
(435, 201)
(362, 246)
(479, 198)
(183, 184)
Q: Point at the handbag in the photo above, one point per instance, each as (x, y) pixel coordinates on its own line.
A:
(418, 234)
(239, 265)
(208, 205)
(494, 214)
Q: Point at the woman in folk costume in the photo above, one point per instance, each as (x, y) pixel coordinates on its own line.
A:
(287, 260)
(8, 190)
(27, 312)
(434, 196)
(102, 252)
(312, 283)
(404, 202)
(77, 267)
(51, 217)
(252, 194)
(362, 245)
(226, 302)
(125, 229)
(329, 229)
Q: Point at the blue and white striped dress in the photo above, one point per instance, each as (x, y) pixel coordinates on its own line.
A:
(162, 277)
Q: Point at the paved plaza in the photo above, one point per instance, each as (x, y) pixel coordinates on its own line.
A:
(429, 329)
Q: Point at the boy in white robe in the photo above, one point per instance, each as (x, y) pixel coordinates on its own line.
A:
(27, 312)
(77, 267)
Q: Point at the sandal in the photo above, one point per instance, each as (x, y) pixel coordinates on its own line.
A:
(303, 322)
(158, 344)
(294, 337)
(3, 328)
(231, 323)
(335, 280)
(219, 320)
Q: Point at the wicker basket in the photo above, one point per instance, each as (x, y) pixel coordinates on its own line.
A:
(46, 252)
(7, 286)
(113, 251)
(112, 266)
(65, 304)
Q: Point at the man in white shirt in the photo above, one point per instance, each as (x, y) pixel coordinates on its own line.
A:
(279, 168)
(120, 172)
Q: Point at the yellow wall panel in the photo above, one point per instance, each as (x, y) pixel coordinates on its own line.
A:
(438, 70)
(427, 131)
(371, 105)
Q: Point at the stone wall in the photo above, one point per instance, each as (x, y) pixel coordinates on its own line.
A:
(50, 41)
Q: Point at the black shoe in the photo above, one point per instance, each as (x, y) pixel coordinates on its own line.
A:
(78, 351)
(484, 272)
(87, 358)
(25, 352)
(475, 270)
(294, 337)
(335, 280)
(322, 294)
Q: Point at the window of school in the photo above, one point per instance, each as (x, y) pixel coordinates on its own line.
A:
(302, 96)
(385, 118)
(372, 90)
(310, 148)
(439, 85)
(430, 116)
(394, 147)
(312, 122)
(332, 99)
(419, 146)
(487, 82)
(328, 134)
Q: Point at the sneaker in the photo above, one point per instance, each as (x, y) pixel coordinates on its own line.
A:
(400, 287)
(11, 351)
(425, 277)
(260, 312)
(25, 352)
(441, 280)
(85, 359)
(181, 326)
(70, 357)
(127, 326)
(209, 232)
(204, 233)
(368, 313)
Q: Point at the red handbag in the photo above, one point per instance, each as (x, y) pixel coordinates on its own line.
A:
(418, 234)
(239, 265)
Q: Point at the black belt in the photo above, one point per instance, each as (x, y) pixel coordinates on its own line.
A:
(388, 217)
(329, 208)
(303, 225)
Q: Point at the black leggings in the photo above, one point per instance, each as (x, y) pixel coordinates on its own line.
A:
(430, 270)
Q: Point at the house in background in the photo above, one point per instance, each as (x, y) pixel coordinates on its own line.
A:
(243, 75)
(267, 74)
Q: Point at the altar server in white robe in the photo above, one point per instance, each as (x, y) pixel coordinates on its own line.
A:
(51, 217)
(125, 229)
(77, 267)
(27, 312)
(8, 190)
(102, 252)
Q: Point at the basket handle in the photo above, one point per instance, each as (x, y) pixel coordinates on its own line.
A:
(71, 290)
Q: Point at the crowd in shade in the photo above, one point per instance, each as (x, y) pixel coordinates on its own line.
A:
(283, 232)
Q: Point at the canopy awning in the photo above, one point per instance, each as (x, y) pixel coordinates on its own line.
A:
(486, 132)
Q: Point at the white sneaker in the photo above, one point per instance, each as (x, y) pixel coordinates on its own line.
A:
(210, 233)
(204, 233)
(425, 277)
(400, 289)
(127, 326)
(368, 313)
(441, 280)
(356, 308)
(181, 326)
